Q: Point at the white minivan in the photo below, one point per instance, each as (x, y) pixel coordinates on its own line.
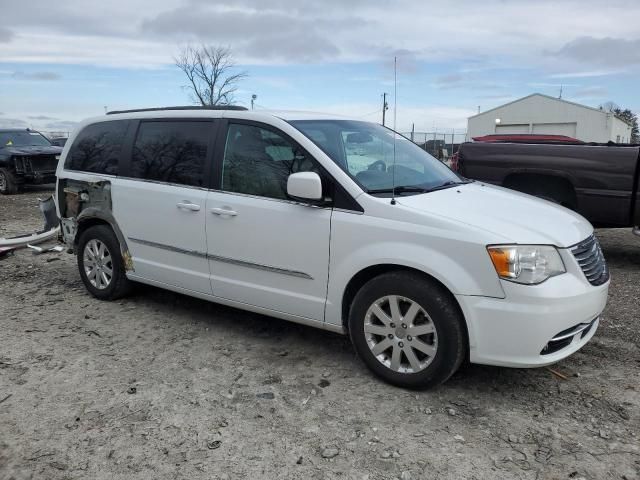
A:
(334, 223)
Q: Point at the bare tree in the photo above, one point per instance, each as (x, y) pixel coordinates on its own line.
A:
(209, 70)
(609, 106)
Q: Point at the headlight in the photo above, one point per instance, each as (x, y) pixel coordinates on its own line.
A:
(528, 264)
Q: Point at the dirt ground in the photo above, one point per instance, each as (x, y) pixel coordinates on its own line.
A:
(160, 385)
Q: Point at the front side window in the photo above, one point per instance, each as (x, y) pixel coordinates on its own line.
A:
(172, 152)
(258, 161)
(369, 154)
(97, 148)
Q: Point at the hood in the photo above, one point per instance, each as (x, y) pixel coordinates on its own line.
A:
(32, 150)
(514, 216)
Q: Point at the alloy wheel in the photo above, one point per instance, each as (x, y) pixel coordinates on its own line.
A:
(400, 334)
(98, 264)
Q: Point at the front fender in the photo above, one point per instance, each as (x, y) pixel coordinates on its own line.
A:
(460, 264)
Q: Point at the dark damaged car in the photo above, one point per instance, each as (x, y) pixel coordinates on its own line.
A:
(26, 157)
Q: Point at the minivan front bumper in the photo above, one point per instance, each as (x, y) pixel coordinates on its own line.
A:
(534, 325)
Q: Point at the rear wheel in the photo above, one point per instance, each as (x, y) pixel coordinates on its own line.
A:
(408, 330)
(8, 182)
(100, 264)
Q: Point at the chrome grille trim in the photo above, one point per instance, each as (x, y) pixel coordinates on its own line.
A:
(589, 256)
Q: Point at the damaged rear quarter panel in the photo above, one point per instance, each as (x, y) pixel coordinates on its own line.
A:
(83, 203)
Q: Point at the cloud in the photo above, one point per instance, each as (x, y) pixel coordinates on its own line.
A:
(587, 73)
(43, 76)
(290, 35)
(6, 35)
(608, 51)
(13, 123)
(450, 80)
(40, 117)
(145, 32)
(590, 92)
(468, 81)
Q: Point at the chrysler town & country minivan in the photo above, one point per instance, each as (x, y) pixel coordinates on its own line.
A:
(335, 223)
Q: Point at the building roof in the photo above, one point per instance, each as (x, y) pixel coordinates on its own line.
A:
(544, 96)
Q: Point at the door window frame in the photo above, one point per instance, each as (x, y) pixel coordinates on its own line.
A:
(339, 197)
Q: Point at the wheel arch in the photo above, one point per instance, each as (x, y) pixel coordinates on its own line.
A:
(358, 280)
(535, 182)
(93, 216)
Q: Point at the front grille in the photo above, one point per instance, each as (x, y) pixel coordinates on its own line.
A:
(35, 163)
(591, 260)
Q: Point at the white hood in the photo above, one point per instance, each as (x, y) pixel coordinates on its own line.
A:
(515, 216)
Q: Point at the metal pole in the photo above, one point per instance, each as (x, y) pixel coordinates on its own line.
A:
(384, 107)
(453, 134)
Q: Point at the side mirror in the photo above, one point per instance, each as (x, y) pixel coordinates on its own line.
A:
(304, 186)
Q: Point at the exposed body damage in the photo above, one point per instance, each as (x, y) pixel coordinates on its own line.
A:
(83, 204)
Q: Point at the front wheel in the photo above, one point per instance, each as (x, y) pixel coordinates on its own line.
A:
(408, 330)
(8, 182)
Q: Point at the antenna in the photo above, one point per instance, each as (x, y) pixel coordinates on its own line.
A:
(395, 112)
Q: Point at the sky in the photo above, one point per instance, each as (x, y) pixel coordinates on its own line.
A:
(64, 61)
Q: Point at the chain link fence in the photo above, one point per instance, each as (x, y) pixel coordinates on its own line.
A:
(439, 144)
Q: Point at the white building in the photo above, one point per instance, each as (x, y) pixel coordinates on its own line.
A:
(542, 114)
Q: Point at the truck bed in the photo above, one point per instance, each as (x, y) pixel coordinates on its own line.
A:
(599, 181)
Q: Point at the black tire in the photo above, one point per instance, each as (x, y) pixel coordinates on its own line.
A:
(444, 315)
(8, 182)
(119, 285)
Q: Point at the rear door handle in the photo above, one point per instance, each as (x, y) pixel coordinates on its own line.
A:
(224, 211)
(187, 205)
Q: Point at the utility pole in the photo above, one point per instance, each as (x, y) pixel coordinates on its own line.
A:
(385, 107)
(560, 97)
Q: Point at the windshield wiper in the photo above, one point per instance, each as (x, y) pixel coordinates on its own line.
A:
(447, 184)
(417, 189)
(400, 189)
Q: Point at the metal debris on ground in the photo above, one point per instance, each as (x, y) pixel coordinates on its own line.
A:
(39, 250)
(50, 229)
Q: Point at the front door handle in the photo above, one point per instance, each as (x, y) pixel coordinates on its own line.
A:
(187, 205)
(224, 212)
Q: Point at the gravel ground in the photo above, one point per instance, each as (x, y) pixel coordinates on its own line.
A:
(160, 385)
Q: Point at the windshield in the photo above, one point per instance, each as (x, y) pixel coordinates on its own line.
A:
(366, 152)
(23, 138)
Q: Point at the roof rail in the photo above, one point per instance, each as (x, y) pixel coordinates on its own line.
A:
(185, 107)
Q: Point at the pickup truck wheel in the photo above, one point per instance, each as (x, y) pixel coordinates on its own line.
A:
(100, 264)
(8, 184)
(407, 330)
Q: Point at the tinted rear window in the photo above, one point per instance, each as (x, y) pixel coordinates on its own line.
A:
(97, 148)
(172, 152)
